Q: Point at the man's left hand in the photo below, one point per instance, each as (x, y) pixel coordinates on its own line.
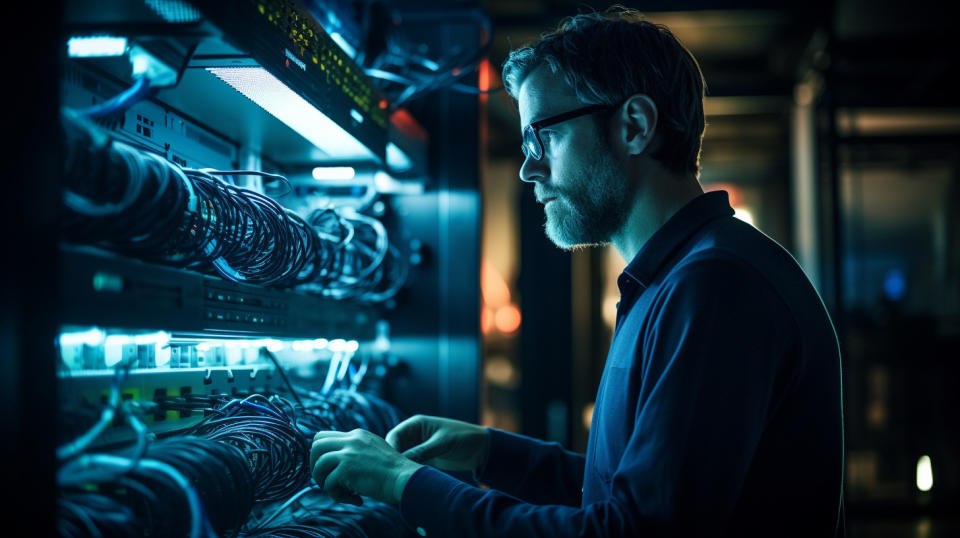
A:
(349, 464)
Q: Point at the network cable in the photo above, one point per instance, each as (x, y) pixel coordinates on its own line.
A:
(248, 451)
(139, 204)
(140, 90)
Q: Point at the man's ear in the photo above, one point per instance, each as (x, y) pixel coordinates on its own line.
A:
(638, 123)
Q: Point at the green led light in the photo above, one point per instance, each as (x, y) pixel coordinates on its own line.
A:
(103, 281)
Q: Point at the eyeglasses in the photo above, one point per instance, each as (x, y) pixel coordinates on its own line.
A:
(533, 146)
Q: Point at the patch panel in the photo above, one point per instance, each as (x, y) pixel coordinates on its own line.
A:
(110, 291)
(86, 390)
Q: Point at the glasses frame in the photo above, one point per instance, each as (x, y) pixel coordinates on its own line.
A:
(533, 129)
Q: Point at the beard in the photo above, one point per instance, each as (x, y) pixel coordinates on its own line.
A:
(593, 207)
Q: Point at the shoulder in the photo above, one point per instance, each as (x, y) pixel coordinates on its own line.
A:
(715, 269)
(719, 284)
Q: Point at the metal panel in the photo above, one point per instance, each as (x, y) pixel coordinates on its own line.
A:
(99, 288)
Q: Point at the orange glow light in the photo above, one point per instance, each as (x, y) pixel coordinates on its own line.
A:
(587, 415)
(484, 75)
(507, 318)
(493, 287)
(732, 191)
(486, 320)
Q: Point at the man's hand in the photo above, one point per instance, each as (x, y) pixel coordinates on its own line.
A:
(449, 445)
(347, 465)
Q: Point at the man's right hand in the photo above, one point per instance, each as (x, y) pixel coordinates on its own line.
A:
(447, 444)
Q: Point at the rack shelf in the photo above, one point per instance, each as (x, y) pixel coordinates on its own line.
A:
(103, 289)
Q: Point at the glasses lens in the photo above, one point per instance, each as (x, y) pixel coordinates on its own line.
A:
(531, 146)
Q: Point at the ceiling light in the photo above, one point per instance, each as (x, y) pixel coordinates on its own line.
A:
(258, 85)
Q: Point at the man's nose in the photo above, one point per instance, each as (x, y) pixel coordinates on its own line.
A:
(534, 171)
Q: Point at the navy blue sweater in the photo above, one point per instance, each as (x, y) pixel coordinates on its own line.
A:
(718, 413)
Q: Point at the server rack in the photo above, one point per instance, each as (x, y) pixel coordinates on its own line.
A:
(188, 331)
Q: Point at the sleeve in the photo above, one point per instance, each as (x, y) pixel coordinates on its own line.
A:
(709, 365)
(533, 470)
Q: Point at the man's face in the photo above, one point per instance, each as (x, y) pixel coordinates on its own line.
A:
(585, 192)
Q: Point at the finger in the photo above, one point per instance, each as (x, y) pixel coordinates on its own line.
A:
(407, 434)
(324, 445)
(427, 451)
(322, 434)
(322, 469)
(338, 488)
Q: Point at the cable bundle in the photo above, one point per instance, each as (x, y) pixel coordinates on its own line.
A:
(176, 487)
(139, 204)
(340, 410)
(93, 514)
(312, 514)
(360, 264)
(345, 410)
(255, 449)
(248, 237)
(115, 194)
(276, 451)
(244, 451)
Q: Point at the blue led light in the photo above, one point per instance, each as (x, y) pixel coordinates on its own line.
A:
(894, 285)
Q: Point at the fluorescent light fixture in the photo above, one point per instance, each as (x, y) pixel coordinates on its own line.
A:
(320, 343)
(322, 173)
(397, 159)
(163, 356)
(338, 345)
(234, 357)
(924, 473)
(112, 355)
(353, 346)
(302, 345)
(258, 85)
(114, 345)
(96, 46)
(119, 340)
(161, 338)
(92, 337)
(271, 344)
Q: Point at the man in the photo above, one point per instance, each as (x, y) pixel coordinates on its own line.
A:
(719, 408)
